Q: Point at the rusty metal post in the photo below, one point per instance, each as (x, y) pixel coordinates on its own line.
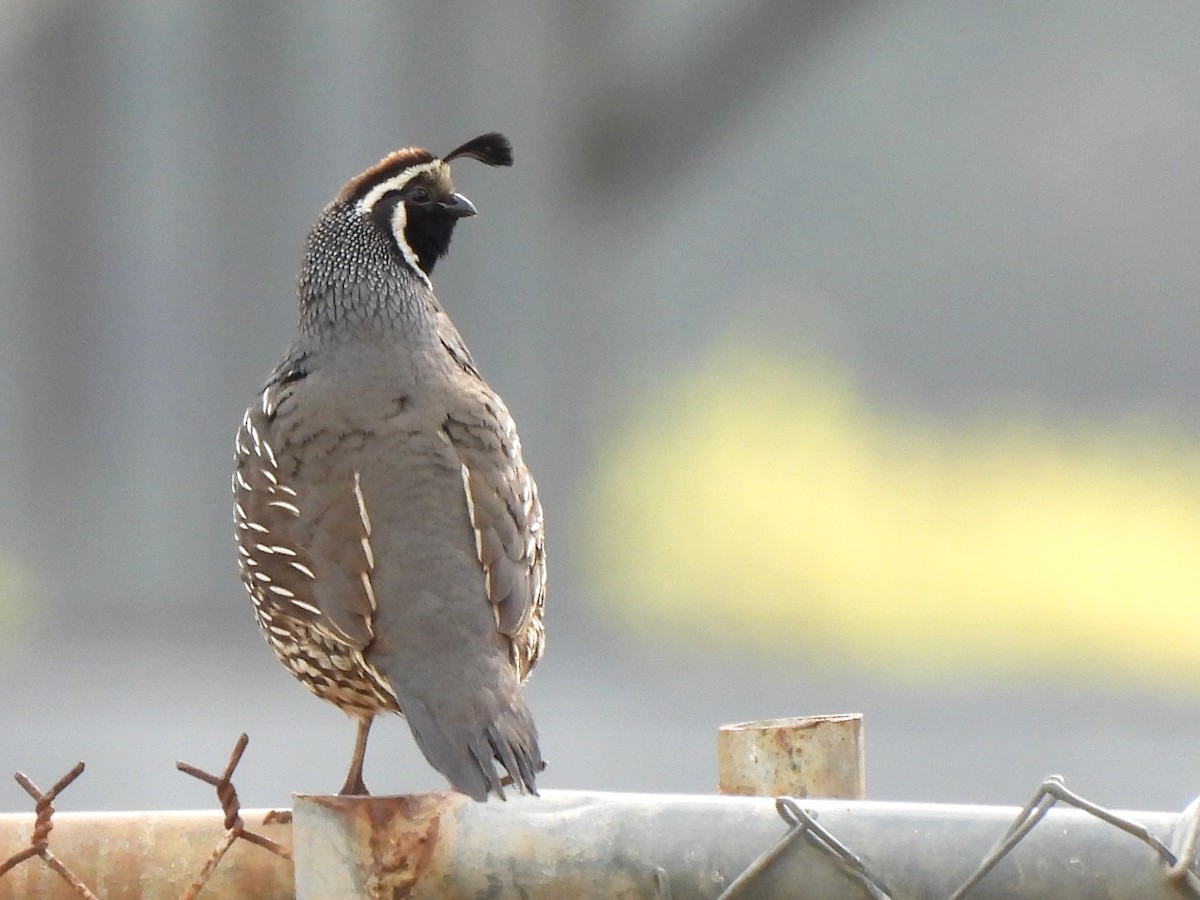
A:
(811, 756)
(145, 856)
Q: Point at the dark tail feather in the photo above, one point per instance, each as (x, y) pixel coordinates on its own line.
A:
(527, 764)
(467, 753)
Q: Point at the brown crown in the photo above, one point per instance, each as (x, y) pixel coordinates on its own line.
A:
(391, 165)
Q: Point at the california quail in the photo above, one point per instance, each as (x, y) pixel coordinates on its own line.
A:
(388, 531)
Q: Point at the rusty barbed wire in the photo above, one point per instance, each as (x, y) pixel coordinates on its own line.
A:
(1052, 791)
(39, 840)
(278, 817)
(235, 828)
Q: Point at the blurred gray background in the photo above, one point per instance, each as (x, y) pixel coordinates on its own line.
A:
(964, 204)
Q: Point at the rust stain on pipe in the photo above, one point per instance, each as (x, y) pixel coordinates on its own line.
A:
(398, 835)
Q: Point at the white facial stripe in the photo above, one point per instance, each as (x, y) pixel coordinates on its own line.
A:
(399, 219)
(395, 183)
(399, 214)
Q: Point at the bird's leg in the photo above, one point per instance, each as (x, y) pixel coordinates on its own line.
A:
(354, 778)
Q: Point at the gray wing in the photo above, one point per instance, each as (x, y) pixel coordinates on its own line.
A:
(302, 552)
(506, 516)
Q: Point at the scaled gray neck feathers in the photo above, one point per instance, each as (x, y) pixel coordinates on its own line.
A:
(352, 284)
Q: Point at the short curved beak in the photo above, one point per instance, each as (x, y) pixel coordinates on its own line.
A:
(458, 206)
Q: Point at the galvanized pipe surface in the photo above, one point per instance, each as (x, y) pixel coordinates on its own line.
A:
(595, 845)
(145, 856)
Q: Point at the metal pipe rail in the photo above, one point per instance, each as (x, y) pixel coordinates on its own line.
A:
(145, 856)
(656, 846)
(583, 845)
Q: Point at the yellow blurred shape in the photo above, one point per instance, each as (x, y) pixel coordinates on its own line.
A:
(764, 501)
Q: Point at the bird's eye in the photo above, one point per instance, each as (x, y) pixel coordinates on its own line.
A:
(419, 195)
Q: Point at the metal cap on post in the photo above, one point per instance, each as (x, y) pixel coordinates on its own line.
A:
(809, 756)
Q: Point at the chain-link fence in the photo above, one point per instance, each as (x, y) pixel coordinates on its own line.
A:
(145, 855)
(565, 843)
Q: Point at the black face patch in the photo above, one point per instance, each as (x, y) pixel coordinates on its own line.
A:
(421, 236)
(427, 232)
(427, 224)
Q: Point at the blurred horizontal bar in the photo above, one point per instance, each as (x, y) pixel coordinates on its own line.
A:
(596, 845)
(145, 856)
